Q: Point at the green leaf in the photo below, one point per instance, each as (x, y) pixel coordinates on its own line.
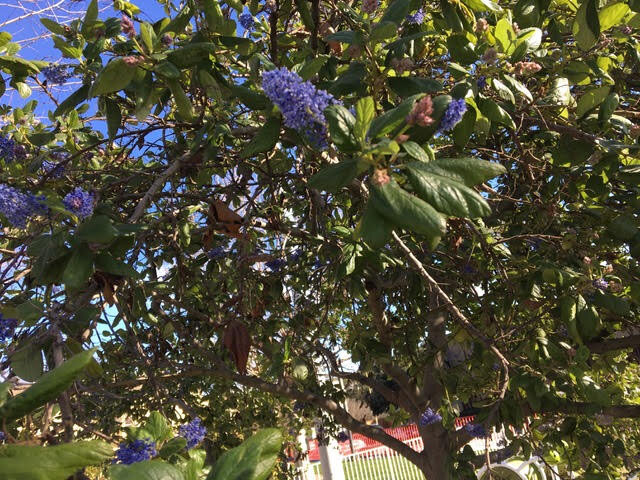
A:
(173, 446)
(341, 128)
(114, 117)
(482, 5)
(68, 50)
(373, 228)
(518, 87)
(148, 36)
(312, 66)
(145, 470)
(27, 362)
(264, 140)
(461, 49)
(251, 98)
(351, 81)
(365, 113)
(623, 227)
(505, 35)
(41, 139)
(167, 70)
(392, 119)
(586, 26)
(531, 37)
(180, 21)
(305, 14)
(416, 151)
(337, 175)
(254, 459)
(470, 171)
(503, 90)
(191, 54)
(591, 99)
(92, 13)
(396, 12)
(589, 323)
(407, 86)
(72, 101)
(612, 15)
(401, 208)
(48, 388)
(157, 426)
(383, 30)
(213, 14)
(182, 101)
(114, 77)
(464, 128)
(445, 194)
(614, 304)
(495, 112)
(58, 462)
(106, 263)
(23, 89)
(97, 229)
(52, 26)
(79, 267)
(608, 106)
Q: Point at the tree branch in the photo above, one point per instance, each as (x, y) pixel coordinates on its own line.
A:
(612, 344)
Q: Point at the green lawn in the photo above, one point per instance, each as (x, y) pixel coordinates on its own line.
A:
(387, 468)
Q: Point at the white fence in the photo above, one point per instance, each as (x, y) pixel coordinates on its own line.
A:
(382, 463)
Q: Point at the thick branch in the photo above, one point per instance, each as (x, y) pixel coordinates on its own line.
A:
(612, 344)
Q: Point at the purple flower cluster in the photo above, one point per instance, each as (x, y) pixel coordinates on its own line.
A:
(453, 115)
(7, 327)
(2, 436)
(417, 18)
(194, 432)
(56, 74)
(482, 82)
(600, 284)
(136, 451)
(127, 26)
(476, 430)
(79, 202)
(7, 149)
(301, 103)
(246, 20)
(18, 207)
(429, 417)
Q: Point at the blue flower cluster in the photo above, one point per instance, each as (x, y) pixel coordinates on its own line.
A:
(7, 149)
(453, 115)
(56, 74)
(417, 18)
(481, 82)
(80, 202)
(53, 169)
(301, 103)
(18, 207)
(136, 451)
(216, 253)
(276, 264)
(2, 436)
(193, 431)
(7, 327)
(429, 417)
(476, 430)
(246, 20)
(600, 284)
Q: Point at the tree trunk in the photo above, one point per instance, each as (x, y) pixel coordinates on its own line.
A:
(434, 458)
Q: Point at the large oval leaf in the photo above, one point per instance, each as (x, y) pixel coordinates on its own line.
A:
(253, 460)
(146, 470)
(114, 77)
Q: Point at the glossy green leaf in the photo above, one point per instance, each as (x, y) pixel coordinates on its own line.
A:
(213, 14)
(79, 267)
(47, 388)
(72, 101)
(305, 13)
(105, 262)
(495, 112)
(365, 113)
(445, 194)
(373, 228)
(407, 86)
(97, 229)
(337, 175)
(341, 128)
(407, 211)
(586, 26)
(27, 361)
(392, 119)
(612, 15)
(114, 117)
(114, 77)
(469, 171)
(461, 49)
(254, 459)
(191, 54)
(264, 140)
(182, 101)
(415, 151)
(396, 11)
(145, 470)
(464, 129)
(591, 99)
(58, 462)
